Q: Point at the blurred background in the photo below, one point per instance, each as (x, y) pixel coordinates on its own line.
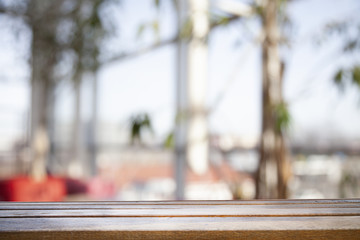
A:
(179, 99)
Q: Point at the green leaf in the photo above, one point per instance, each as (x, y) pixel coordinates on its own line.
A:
(146, 122)
(223, 20)
(169, 141)
(135, 130)
(155, 27)
(181, 116)
(138, 124)
(140, 30)
(259, 10)
(356, 76)
(186, 29)
(157, 3)
(338, 78)
(350, 46)
(282, 116)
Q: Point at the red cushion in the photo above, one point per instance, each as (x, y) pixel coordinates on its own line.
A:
(26, 189)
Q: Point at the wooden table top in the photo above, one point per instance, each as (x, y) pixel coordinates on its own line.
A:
(284, 219)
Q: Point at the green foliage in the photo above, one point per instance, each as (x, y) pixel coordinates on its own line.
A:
(259, 10)
(349, 33)
(140, 30)
(170, 141)
(156, 30)
(331, 29)
(347, 76)
(181, 116)
(282, 7)
(351, 45)
(88, 34)
(282, 117)
(338, 79)
(356, 76)
(216, 19)
(157, 3)
(186, 29)
(154, 26)
(139, 123)
(336, 28)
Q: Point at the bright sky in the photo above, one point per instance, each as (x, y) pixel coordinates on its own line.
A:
(146, 83)
(322, 110)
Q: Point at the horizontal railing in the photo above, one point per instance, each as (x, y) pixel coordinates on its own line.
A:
(286, 219)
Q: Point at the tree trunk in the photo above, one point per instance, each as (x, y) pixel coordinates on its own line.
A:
(41, 94)
(76, 166)
(43, 61)
(93, 127)
(39, 121)
(271, 174)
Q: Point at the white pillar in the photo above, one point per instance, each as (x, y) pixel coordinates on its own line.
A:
(181, 105)
(191, 136)
(197, 139)
(92, 141)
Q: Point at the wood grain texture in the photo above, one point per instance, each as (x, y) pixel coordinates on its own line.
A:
(287, 219)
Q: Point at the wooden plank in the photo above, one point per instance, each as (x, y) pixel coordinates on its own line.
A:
(288, 219)
(211, 202)
(179, 224)
(111, 205)
(229, 211)
(177, 235)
